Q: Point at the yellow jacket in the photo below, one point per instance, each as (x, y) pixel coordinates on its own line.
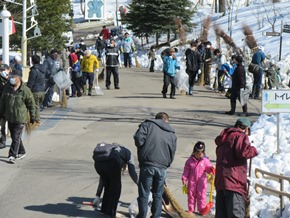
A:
(88, 64)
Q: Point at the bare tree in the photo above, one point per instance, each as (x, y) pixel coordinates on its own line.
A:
(222, 6)
(272, 13)
(82, 9)
(260, 17)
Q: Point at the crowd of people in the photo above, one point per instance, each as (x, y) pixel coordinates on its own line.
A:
(156, 141)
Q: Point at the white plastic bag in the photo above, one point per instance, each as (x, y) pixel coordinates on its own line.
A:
(134, 210)
(181, 80)
(62, 79)
(227, 82)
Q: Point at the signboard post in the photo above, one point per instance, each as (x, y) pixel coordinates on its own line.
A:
(272, 34)
(276, 101)
(284, 29)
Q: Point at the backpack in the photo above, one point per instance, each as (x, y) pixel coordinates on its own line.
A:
(103, 151)
(253, 68)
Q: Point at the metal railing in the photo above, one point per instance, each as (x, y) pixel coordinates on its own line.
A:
(269, 191)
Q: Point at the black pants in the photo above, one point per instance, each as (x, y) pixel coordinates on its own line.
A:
(127, 59)
(77, 81)
(111, 174)
(152, 65)
(3, 133)
(229, 204)
(115, 72)
(220, 86)
(16, 133)
(191, 77)
(166, 80)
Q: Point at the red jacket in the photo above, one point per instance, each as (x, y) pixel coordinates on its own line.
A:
(233, 150)
(105, 33)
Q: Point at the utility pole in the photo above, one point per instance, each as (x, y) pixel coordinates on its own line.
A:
(117, 9)
(24, 27)
(5, 37)
(24, 37)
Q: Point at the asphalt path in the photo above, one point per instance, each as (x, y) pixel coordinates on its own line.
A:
(58, 173)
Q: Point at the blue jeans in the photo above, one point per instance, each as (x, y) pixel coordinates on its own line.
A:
(151, 179)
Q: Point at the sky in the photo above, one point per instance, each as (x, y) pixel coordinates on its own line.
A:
(264, 130)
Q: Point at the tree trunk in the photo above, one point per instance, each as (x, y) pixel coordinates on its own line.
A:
(276, 1)
(157, 43)
(222, 6)
(82, 10)
(168, 37)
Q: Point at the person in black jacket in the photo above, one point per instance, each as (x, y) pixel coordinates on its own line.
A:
(112, 63)
(238, 86)
(156, 145)
(193, 64)
(4, 74)
(110, 171)
(36, 83)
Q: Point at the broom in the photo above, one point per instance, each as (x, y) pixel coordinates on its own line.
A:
(29, 127)
(205, 25)
(248, 192)
(137, 62)
(208, 207)
(250, 39)
(180, 30)
(101, 75)
(63, 99)
(176, 206)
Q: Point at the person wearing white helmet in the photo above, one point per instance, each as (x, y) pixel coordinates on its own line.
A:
(16, 63)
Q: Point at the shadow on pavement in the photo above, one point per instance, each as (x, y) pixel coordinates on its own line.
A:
(74, 209)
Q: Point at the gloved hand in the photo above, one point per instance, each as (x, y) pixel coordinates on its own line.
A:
(242, 90)
(199, 71)
(97, 70)
(97, 201)
(32, 121)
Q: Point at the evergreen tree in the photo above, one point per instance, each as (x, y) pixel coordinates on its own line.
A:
(148, 17)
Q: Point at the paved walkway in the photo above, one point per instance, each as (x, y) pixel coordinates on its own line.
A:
(57, 174)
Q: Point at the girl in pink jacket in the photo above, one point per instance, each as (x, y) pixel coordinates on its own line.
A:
(194, 177)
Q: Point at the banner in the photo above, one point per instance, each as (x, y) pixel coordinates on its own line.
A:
(94, 9)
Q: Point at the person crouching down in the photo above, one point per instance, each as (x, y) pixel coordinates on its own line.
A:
(194, 177)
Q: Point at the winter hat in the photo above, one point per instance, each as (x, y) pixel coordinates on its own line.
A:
(243, 122)
(73, 57)
(199, 146)
(171, 50)
(272, 62)
(261, 48)
(239, 59)
(4, 67)
(17, 73)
